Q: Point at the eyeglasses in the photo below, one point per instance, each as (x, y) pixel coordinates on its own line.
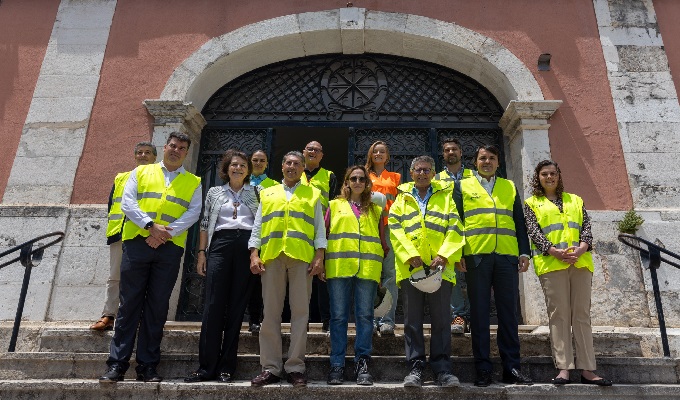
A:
(422, 170)
(355, 179)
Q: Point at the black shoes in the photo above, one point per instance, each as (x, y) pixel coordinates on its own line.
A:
(483, 378)
(112, 375)
(325, 326)
(560, 381)
(225, 377)
(415, 377)
(196, 376)
(361, 373)
(447, 379)
(336, 376)
(148, 374)
(598, 382)
(514, 376)
(254, 328)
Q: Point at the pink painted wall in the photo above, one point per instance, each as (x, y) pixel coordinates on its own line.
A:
(667, 15)
(25, 28)
(150, 39)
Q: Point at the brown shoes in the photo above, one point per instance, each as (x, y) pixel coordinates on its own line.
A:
(297, 379)
(265, 378)
(104, 324)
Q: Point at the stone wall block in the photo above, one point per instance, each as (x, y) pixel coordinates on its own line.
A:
(461, 37)
(648, 137)
(261, 32)
(43, 171)
(647, 110)
(37, 300)
(320, 32)
(642, 85)
(181, 82)
(619, 308)
(48, 141)
(611, 56)
(352, 24)
(37, 194)
(534, 310)
(78, 266)
(379, 32)
(642, 59)
(56, 110)
(66, 86)
(81, 36)
(214, 50)
(73, 60)
(632, 36)
(602, 12)
(76, 303)
(86, 232)
(634, 13)
(387, 21)
(87, 14)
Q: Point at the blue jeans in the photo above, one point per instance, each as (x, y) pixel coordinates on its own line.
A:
(460, 305)
(388, 280)
(340, 293)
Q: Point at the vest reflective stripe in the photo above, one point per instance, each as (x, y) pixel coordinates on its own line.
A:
(321, 181)
(162, 204)
(288, 225)
(116, 217)
(354, 247)
(563, 229)
(439, 231)
(489, 226)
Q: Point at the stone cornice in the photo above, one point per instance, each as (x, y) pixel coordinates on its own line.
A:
(530, 115)
(167, 112)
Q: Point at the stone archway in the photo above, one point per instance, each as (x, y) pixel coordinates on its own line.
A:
(358, 31)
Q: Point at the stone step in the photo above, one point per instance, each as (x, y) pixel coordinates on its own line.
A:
(75, 389)
(184, 340)
(44, 365)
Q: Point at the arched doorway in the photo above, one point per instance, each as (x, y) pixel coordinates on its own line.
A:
(346, 102)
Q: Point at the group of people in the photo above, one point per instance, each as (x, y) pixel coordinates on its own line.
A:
(279, 239)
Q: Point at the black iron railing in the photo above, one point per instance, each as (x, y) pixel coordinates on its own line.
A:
(29, 258)
(653, 254)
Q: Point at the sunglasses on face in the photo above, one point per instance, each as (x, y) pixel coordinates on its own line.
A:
(355, 179)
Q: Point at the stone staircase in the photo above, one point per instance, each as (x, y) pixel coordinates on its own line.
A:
(62, 361)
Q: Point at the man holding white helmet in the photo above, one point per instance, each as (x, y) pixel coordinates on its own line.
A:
(427, 237)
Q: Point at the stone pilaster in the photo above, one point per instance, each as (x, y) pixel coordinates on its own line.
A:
(176, 115)
(525, 126)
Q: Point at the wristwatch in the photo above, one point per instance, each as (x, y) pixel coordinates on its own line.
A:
(148, 225)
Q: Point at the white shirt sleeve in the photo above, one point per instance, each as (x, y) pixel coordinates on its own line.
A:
(320, 240)
(255, 239)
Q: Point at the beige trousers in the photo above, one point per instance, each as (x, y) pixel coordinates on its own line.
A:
(278, 273)
(567, 295)
(112, 300)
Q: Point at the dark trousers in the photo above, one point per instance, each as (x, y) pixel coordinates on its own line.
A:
(322, 299)
(440, 316)
(228, 285)
(147, 277)
(499, 272)
(255, 304)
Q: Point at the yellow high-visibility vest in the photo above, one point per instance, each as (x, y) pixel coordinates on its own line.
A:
(268, 182)
(162, 204)
(438, 232)
(354, 247)
(562, 229)
(288, 225)
(116, 216)
(446, 180)
(489, 225)
(321, 181)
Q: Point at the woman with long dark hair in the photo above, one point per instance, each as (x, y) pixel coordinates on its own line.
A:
(561, 240)
(353, 264)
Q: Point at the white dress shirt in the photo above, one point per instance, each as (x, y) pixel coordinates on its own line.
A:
(131, 209)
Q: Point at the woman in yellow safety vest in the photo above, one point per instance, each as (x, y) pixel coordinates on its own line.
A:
(561, 239)
(354, 257)
(385, 182)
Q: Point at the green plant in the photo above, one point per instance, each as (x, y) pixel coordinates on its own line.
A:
(631, 222)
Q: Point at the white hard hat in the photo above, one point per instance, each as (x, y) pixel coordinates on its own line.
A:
(383, 303)
(428, 282)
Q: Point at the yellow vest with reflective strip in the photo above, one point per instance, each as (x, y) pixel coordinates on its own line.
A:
(162, 204)
(563, 229)
(321, 180)
(439, 232)
(288, 225)
(354, 247)
(489, 226)
(446, 180)
(116, 215)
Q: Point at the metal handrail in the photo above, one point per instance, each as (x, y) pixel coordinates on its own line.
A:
(653, 254)
(29, 258)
